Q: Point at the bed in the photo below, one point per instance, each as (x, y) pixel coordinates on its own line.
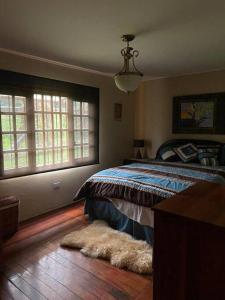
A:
(123, 196)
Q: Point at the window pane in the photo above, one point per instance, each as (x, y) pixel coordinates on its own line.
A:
(64, 138)
(39, 158)
(7, 122)
(56, 103)
(8, 142)
(85, 151)
(64, 104)
(85, 136)
(6, 103)
(39, 140)
(84, 108)
(22, 159)
(76, 108)
(56, 119)
(21, 141)
(48, 157)
(77, 152)
(84, 122)
(47, 103)
(64, 121)
(48, 121)
(57, 139)
(38, 121)
(21, 124)
(20, 104)
(77, 137)
(48, 139)
(9, 161)
(57, 156)
(65, 155)
(76, 122)
(37, 102)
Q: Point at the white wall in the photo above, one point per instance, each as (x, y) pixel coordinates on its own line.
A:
(35, 192)
(154, 103)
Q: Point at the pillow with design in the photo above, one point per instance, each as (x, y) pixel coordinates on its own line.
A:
(168, 154)
(187, 152)
(222, 156)
(208, 157)
(216, 149)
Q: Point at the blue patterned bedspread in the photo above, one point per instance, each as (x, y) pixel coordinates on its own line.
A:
(147, 184)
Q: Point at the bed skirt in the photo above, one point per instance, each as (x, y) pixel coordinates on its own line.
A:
(105, 210)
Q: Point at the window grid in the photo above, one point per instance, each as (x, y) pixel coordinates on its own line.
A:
(53, 112)
(14, 132)
(42, 135)
(81, 129)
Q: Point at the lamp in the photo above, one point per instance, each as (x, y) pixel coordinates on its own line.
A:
(139, 145)
(128, 79)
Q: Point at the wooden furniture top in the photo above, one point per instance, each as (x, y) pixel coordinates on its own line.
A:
(8, 200)
(204, 202)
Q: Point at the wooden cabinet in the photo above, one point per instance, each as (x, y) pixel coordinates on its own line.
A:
(189, 245)
(9, 210)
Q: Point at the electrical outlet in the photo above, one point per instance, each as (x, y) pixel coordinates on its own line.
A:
(56, 185)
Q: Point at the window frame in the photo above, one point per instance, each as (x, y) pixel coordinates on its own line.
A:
(19, 84)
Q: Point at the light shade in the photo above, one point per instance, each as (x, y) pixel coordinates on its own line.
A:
(127, 82)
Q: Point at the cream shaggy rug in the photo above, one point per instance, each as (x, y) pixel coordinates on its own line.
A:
(100, 240)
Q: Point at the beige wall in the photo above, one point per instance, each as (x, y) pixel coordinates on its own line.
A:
(151, 106)
(154, 105)
(35, 192)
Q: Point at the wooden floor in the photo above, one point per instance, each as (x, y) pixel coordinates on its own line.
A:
(34, 266)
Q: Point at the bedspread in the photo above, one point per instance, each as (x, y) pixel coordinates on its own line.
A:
(147, 184)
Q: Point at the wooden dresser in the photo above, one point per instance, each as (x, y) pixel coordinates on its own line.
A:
(189, 245)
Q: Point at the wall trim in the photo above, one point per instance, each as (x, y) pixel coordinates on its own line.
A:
(74, 67)
(54, 62)
(149, 78)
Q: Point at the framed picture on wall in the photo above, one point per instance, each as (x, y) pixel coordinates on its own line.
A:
(118, 111)
(199, 114)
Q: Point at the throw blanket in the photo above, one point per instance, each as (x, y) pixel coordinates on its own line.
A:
(147, 184)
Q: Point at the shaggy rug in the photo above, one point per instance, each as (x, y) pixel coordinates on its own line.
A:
(100, 240)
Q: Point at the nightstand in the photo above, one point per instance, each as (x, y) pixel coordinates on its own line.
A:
(128, 161)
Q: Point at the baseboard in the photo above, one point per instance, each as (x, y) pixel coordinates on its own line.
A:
(51, 212)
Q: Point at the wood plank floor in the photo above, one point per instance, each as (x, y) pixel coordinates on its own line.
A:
(34, 266)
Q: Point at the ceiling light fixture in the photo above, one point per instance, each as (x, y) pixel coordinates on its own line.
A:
(128, 79)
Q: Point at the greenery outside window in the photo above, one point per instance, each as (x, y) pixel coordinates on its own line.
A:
(46, 124)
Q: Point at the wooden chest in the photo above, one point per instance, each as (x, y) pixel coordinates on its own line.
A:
(9, 210)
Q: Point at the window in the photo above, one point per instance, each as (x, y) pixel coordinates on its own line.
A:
(81, 129)
(14, 132)
(42, 129)
(51, 115)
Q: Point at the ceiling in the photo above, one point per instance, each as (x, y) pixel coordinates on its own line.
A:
(174, 37)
